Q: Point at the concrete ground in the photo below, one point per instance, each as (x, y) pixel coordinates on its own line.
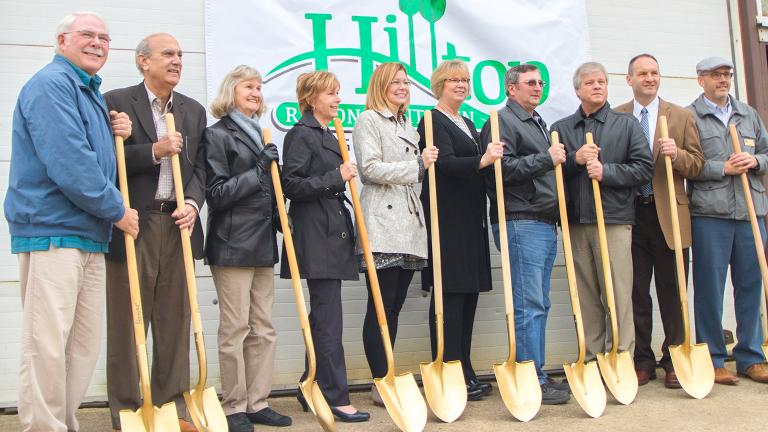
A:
(743, 407)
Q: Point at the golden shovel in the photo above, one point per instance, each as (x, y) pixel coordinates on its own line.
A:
(692, 363)
(309, 388)
(583, 378)
(444, 383)
(400, 393)
(148, 418)
(202, 403)
(753, 221)
(518, 383)
(617, 368)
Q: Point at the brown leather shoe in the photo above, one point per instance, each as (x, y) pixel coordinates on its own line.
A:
(670, 380)
(645, 375)
(185, 426)
(724, 376)
(757, 372)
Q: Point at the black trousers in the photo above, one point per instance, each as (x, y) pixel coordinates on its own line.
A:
(393, 282)
(652, 257)
(458, 322)
(326, 321)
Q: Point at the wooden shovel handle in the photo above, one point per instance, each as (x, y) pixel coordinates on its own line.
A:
(676, 240)
(434, 227)
(189, 261)
(605, 258)
(752, 216)
(139, 337)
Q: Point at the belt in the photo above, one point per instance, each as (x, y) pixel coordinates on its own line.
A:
(163, 206)
(645, 200)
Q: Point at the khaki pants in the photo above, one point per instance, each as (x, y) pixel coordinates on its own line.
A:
(589, 278)
(62, 292)
(246, 336)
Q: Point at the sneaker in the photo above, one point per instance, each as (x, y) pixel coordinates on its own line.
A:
(559, 385)
(552, 396)
(268, 416)
(238, 422)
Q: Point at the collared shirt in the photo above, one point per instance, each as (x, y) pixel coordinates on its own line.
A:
(30, 244)
(724, 114)
(653, 115)
(165, 179)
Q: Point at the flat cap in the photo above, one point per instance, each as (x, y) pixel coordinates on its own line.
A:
(712, 63)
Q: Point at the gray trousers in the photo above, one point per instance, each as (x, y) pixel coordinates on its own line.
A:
(166, 310)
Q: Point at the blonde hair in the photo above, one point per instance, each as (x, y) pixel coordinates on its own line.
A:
(224, 102)
(378, 85)
(447, 69)
(309, 86)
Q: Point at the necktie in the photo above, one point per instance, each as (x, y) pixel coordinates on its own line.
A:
(646, 189)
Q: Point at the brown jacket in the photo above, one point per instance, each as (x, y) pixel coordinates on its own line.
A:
(682, 128)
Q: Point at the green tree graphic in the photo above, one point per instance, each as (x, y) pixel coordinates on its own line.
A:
(432, 11)
(410, 8)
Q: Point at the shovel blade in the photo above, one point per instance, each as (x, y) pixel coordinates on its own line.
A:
(403, 401)
(519, 387)
(694, 369)
(317, 403)
(162, 419)
(586, 387)
(619, 374)
(445, 389)
(205, 410)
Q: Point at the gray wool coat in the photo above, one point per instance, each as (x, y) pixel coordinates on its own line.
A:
(388, 165)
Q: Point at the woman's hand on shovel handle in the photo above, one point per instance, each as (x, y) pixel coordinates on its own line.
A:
(121, 124)
(495, 150)
(348, 171)
(429, 156)
(185, 218)
(129, 223)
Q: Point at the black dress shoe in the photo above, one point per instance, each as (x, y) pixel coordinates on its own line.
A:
(356, 417)
(268, 416)
(238, 422)
(474, 393)
(485, 388)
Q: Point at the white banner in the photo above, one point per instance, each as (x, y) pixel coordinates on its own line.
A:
(284, 38)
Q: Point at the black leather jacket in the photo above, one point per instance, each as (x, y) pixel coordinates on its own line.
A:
(241, 203)
(626, 158)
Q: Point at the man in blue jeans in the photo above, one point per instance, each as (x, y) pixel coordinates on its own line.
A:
(530, 199)
(722, 234)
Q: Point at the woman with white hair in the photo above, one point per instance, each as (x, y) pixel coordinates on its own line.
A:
(242, 248)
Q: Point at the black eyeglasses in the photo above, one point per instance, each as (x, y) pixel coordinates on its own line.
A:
(533, 83)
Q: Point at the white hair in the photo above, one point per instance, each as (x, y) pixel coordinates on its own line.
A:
(66, 24)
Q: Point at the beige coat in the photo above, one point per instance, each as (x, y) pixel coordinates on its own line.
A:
(387, 159)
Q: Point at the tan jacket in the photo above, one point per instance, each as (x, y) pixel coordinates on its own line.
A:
(689, 161)
(387, 160)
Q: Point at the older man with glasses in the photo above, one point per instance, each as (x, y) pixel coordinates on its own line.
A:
(722, 234)
(60, 205)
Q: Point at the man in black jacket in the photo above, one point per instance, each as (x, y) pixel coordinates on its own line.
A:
(530, 202)
(158, 248)
(621, 161)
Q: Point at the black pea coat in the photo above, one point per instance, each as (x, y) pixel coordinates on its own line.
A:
(323, 233)
(241, 204)
(461, 206)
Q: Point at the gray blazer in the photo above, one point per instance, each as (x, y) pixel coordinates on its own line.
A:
(388, 164)
(717, 195)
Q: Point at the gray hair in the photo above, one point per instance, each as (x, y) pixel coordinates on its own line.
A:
(587, 68)
(66, 24)
(224, 102)
(142, 49)
(513, 74)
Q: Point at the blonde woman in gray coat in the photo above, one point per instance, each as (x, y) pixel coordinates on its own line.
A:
(390, 165)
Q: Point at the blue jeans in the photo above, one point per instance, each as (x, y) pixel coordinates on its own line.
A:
(532, 251)
(716, 244)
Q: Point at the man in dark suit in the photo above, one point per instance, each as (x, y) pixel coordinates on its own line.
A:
(158, 248)
(652, 247)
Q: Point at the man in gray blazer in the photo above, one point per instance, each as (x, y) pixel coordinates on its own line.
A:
(158, 248)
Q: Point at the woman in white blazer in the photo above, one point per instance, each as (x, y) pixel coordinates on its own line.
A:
(390, 165)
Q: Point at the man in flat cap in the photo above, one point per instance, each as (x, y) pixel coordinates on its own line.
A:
(722, 234)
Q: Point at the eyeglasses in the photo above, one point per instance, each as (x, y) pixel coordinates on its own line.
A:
(102, 37)
(533, 83)
(718, 75)
(458, 80)
(398, 83)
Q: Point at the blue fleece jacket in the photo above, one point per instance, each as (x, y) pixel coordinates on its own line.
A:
(62, 174)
